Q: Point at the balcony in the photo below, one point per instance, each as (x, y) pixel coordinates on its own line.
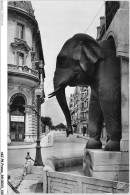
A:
(22, 75)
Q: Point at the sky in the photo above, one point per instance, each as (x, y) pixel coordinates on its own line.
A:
(59, 21)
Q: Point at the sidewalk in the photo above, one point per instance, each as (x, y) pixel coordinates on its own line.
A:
(33, 183)
(19, 143)
(46, 141)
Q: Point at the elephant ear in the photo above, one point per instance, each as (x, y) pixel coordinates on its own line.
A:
(88, 52)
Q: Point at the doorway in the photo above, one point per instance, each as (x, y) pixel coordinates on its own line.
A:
(17, 118)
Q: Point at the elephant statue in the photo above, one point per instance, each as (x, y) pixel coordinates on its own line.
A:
(83, 61)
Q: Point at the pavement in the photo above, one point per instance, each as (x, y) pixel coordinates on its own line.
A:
(32, 183)
(19, 179)
(46, 140)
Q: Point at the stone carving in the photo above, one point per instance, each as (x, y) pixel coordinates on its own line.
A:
(82, 61)
(20, 45)
(18, 94)
(25, 5)
(21, 89)
(24, 69)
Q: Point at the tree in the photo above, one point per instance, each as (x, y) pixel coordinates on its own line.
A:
(61, 126)
(46, 121)
(53, 127)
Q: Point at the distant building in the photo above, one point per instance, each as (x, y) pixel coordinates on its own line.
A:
(24, 48)
(79, 107)
(115, 26)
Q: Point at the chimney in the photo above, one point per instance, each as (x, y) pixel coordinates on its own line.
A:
(102, 21)
(98, 31)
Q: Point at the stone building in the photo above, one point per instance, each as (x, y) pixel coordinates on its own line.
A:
(24, 50)
(79, 107)
(115, 26)
(79, 110)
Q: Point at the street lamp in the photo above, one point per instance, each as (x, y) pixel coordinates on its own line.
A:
(39, 92)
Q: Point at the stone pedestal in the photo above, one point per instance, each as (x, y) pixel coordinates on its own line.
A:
(124, 143)
(106, 165)
(119, 30)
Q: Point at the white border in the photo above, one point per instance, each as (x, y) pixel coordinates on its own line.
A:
(3, 82)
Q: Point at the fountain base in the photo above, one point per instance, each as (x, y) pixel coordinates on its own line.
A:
(106, 165)
(65, 175)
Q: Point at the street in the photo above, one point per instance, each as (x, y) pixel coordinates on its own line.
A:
(63, 146)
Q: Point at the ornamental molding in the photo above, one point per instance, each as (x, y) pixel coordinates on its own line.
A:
(17, 90)
(26, 6)
(20, 88)
(18, 94)
(20, 45)
(24, 69)
(10, 87)
(17, 17)
(17, 113)
(28, 109)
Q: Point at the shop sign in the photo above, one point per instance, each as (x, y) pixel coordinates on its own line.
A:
(17, 118)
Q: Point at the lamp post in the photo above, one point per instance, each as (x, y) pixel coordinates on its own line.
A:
(40, 99)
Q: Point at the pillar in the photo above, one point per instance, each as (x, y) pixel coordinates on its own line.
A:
(124, 143)
(27, 133)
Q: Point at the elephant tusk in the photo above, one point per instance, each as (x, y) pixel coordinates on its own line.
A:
(54, 92)
(51, 95)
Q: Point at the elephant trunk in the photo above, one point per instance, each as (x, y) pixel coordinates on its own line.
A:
(61, 98)
(61, 80)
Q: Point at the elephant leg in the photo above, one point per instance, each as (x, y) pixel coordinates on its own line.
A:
(111, 107)
(95, 122)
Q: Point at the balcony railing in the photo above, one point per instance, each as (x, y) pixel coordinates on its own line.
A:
(23, 69)
(111, 8)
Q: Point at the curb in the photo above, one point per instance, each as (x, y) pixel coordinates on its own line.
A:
(49, 139)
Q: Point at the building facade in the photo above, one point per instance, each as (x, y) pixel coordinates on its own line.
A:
(115, 26)
(79, 107)
(24, 50)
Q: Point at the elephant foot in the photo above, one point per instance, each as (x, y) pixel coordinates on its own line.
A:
(112, 145)
(93, 144)
(68, 132)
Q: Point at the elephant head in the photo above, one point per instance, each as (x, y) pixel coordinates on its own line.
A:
(75, 66)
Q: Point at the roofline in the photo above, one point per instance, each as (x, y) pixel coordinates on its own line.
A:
(17, 9)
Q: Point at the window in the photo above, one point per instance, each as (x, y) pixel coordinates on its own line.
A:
(20, 59)
(20, 31)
